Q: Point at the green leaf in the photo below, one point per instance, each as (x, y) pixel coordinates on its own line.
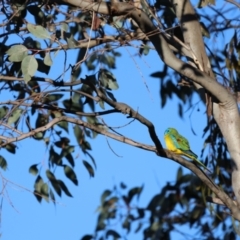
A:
(66, 152)
(46, 140)
(56, 53)
(64, 27)
(110, 61)
(144, 49)
(114, 234)
(30, 43)
(3, 163)
(38, 14)
(38, 31)
(64, 188)
(34, 86)
(101, 104)
(107, 79)
(134, 191)
(44, 191)
(113, 85)
(37, 186)
(33, 169)
(89, 168)
(91, 78)
(3, 112)
(185, 178)
(54, 182)
(87, 237)
(52, 197)
(50, 175)
(38, 183)
(138, 227)
(141, 213)
(53, 97)
(85, 146)
(93, 160)
(37, 195)
(126, 224)
(70, 174)
(100, 224)
(63, 125)
(11, 148)
(59, 144)
(105, 194)
(47, 59)
(123, 185)
(118, 22)
(78, 134)
(29, 67)
(54, 158)
(42, 120)
(70, 159)
(38, 136)
(111, 96)
(179, 173)
(27, 78)
(55, 114)
(75, 104)
(56, 187)
(71, 42)
(15, 115)
(17, 53)
(43, 68)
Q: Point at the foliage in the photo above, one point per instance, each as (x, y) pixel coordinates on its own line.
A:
(175, 205)
(46, 105)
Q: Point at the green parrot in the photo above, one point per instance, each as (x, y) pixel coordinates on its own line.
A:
(180, 145)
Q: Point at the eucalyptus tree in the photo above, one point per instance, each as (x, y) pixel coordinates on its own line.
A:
(184, 37)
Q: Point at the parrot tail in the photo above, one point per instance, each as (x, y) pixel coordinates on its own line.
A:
(191, 154)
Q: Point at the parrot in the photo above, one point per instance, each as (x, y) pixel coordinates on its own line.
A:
(180, 145)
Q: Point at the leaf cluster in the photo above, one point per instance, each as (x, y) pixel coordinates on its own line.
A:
(177, 204)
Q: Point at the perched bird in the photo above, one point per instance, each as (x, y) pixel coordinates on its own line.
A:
(180, 145)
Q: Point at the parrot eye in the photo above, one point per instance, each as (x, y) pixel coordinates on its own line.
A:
(167, 131)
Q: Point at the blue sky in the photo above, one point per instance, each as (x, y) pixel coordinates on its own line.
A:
(24, 218)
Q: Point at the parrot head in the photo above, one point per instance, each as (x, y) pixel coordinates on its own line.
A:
(170, 131)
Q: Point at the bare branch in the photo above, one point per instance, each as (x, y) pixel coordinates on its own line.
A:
(82, 123)
(11, 128)
(56, 108)
(7, 181)
(125, 109)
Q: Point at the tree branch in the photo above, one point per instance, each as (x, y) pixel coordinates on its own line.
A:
(164, 153)
(55, 108)
(226, 110)
(84, 124)
(159, 42)
(126, 109)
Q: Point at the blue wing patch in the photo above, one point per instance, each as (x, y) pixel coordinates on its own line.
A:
(175, 141)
